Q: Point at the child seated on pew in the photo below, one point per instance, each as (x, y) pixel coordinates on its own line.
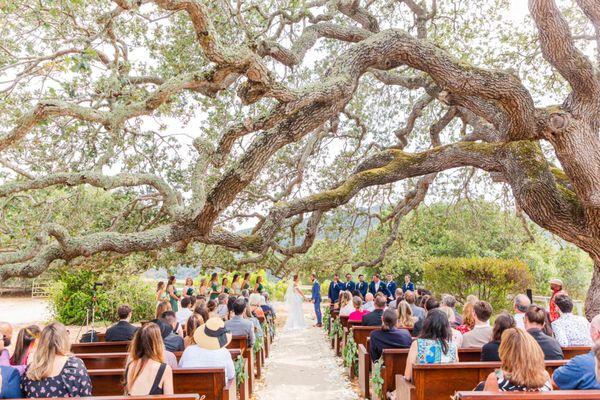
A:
(146, 372)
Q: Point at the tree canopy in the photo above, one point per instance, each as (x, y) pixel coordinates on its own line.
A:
(204, 116)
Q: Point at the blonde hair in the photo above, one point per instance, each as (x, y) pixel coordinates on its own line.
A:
(468, 315)
(522, 359)
(405, 317)
(345, 298)
(472, 299)
(53, 341)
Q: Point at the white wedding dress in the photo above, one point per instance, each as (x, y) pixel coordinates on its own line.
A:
(293, 301)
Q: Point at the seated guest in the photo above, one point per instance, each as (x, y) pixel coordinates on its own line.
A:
(122, 330)
(398, 297)
(10, 383)
(202, 311)
(147, 373)
(171, 319)
(535, 318)
(374, 317)
(482, 331)
(191, 325)
(25, 345)
(521, 304)
(52, 371)
(184, 311)
(433, 346)
(388, 337)
(468, 317)
(450, 301)
(163, 307)
(267, 307)
(580, 372)
(222, 305)
(255, 300)
(238, 325)
(489, 351)
(457, 337)
(346, 305)
(258, 332)
(369, 304)
(210, 349)
(405, 318)
(230, 312)
(173, 342)
(6, 332)
(358, 312)
(211, 305)
(569, 329)
(165, 331)
(522, 367)
(430, 304)
(417, 311)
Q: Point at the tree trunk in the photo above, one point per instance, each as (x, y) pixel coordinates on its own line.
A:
(592, 302)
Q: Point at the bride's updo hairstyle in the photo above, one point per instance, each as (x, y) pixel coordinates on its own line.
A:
(295, 277)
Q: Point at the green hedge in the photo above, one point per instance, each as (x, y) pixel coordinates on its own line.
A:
(490, 279)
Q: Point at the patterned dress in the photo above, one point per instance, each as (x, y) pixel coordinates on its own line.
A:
(505, 385)
(430, 352)
(73, 381)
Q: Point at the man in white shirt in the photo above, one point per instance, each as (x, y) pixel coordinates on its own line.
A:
(369, 305)
(482, 331)
(569, 329)
(210, 349)
(184, 311)
(521, 305)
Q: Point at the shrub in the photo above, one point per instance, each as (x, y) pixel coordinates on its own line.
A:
(492, 280)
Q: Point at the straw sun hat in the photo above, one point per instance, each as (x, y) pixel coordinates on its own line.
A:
(212, 335)
(556, 281)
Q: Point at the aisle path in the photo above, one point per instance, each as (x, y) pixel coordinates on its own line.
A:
(302, 366)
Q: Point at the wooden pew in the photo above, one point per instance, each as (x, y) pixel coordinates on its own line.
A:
(361, 335)
(395, 361)
(440, 381)
(209, 382)
(147, 397)
(100, 347)
(95, 361)
(557, 394)
(241, 342)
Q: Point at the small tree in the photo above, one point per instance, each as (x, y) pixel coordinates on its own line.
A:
(490, 279)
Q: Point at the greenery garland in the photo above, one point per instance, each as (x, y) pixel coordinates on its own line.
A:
(377, 379)
(258, 343)
(240, 374)
(326, 318)
(336, 329)
(350, 353)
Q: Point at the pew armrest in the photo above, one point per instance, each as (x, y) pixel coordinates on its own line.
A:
(405, 390)
(230, 390)
(364, 369)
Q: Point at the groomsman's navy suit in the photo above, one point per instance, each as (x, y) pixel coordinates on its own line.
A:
(350, 286)
(334, 291)
(362, 287)
(382, 289)
(316, 297)
(391, 288)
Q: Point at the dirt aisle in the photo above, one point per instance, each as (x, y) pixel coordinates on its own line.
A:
(302, 366)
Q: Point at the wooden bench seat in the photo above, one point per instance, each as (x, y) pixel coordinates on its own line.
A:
(147, 397)
(557, 394)
(209, 382)
(440, 381)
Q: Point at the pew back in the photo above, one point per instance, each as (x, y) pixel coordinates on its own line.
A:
(558, 394)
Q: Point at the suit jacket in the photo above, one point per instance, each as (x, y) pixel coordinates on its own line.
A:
(350, 286)
(393, 339)
(119, 332)
(11, 383)
(316, 291)
(362, 287)
(240, 326)
(391, 288)
(373, 318)
(382, 289)
(549, 345)
(410, 286)
(334, 291)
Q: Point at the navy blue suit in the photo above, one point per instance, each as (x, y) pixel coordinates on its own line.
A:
(349, 286)
(362, 287)
(391, 287)
(382, 289)
(316, 298)
(334, 290)
(410, 286)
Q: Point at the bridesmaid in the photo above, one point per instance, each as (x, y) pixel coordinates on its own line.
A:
(246, 281)
(160, 293)
(173, 296)
(188, 289)
(203, 287)
(236, 286)
(224, 286)
(258, 287)
(214, 286)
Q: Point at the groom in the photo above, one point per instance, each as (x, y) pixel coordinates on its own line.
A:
(316, 298)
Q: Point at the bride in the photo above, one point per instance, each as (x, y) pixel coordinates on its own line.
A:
(293, 300)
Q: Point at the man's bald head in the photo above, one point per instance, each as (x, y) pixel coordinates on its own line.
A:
(595, 329)
(522, 303)
(369, 297)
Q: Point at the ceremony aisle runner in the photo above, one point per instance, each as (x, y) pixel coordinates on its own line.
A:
(302, 366)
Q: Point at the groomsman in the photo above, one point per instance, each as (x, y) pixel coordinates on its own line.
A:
(349, 285)
(408, 285)
(390, 286)
(376, 286)
(362, 286)
(335, 287)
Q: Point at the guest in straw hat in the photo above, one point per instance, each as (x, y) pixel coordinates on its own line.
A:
(556, 285)
(210, 349)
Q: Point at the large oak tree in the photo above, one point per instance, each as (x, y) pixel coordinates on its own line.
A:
(292, 109)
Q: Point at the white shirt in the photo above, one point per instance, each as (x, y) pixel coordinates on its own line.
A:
(347, 310)
(197, 357)
(368, 306)
(182, 315)
(520, 321)
(572, 330)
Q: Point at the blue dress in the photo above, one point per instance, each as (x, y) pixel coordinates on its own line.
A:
(430, 352)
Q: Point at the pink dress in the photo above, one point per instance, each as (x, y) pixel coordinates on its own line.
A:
(357, 315)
